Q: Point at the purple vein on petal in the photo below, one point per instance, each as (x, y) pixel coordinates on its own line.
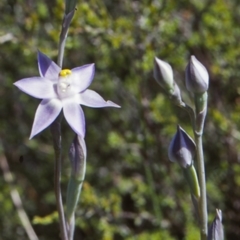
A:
(46, 113)
(75, 117)
(47, 68)
(37, 87)
(82, 77)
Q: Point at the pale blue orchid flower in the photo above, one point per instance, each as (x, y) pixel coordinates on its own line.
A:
(62, 89)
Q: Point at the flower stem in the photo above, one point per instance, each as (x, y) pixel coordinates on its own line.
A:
(71, 227)
(202, 183)
(61, 50)
(197, 120)
(63, 36)
(56, 133)
(201, 112)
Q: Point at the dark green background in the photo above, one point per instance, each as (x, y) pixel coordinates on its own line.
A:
(131, 190)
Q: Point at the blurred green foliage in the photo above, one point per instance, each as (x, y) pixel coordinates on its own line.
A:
(131, 190)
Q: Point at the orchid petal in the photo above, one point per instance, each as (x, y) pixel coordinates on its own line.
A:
(46, 113)
(37, 87)
(82, 77)
(74, 116)
(47, 68)
(93, 99)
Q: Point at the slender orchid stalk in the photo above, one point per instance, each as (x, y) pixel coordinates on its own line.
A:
(56, 133)
(63, 36)
(197, 81)
(202, 183)
(198, 118)
(57, 143)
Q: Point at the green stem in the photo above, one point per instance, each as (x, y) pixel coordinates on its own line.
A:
(57, 141)
(202, 183)
(56, 133)
(71, 227)
(197, 120)
(63, 36)
(201, 111)
(61, 48)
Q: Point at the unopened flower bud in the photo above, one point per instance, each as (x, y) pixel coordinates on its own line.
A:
(182, 148)
(163, 74)
(215, 231)
(197, 77)
(77, 155)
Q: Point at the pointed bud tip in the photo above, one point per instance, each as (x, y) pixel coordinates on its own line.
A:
(219, 214)
(215, 231)
(182, 148)
(196, 76)
(163, 74)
